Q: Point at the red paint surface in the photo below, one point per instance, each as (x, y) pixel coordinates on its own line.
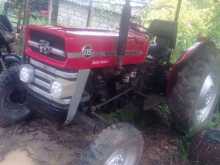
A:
(100, 40)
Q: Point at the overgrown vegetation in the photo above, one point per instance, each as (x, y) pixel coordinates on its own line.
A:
(198, 19)
(15, 11)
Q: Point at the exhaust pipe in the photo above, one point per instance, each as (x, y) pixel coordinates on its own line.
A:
(123, 32)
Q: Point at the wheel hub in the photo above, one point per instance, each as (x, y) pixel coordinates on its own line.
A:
(208, 95)
(117, 158)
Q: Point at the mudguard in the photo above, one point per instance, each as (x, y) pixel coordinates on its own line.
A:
(172, 75)
(12, 59)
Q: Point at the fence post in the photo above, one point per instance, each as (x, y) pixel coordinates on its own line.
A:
(178, 11)
(20, 15)
(6, 7)
(50, 10)
(26, 12)
(53, 11)
(89, 13)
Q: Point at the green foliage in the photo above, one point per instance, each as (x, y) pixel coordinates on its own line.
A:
(1, 6)
(214, 28)
(197, 18)
(215, 123)
(37, 19)
(164, 108)
(183, 148)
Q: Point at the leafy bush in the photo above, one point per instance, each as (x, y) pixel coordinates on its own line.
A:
(198, 18)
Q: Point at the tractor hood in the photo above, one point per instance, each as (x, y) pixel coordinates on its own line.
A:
(75, 48)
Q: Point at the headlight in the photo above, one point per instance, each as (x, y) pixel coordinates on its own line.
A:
(56, 89)
(26, 74)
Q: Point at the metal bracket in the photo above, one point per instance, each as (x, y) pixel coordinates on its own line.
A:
(77, 95)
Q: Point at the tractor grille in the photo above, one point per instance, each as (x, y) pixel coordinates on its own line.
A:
(44, 75)
(47, 45)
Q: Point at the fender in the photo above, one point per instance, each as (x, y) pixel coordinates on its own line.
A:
(12, 59)
(175, 68)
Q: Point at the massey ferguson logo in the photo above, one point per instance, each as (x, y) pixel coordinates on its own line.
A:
(87, 51)
(44, 47)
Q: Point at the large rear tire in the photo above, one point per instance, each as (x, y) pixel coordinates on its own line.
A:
(194, 97)
(12, 98)
(120, 144)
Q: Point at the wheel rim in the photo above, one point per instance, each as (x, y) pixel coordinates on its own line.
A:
(207, 99)
(123, 157)
(117, 158)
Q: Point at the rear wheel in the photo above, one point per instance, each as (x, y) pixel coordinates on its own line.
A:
(120, 144)
(13, 96)
(194, 97)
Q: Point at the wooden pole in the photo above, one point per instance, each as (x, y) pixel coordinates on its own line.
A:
(178, 11)
(26, 12)
(88, 23)
(50, 11)
(55, 10)
(6, 7)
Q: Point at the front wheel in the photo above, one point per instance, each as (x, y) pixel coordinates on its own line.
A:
(120, 144)
(194, 97)
(12, 98)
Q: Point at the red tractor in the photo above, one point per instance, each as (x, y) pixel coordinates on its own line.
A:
(66, 71)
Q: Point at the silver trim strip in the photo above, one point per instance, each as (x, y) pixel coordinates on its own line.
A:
(53, 70)
(34, 44)
(79, 54)
(52, 49)
(103, 54)
(48, 96)
(42, 83)
(74, 54)
(43, 75)
(57, 52)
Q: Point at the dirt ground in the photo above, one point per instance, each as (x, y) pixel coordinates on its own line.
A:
(42, 142)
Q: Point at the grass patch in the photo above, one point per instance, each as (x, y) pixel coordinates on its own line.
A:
(164, 108)
(183, 148)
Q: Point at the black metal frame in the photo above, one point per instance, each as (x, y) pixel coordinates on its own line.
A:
(124, 27)
(179, 4)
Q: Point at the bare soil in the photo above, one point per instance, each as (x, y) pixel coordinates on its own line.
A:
(162, 147)
(42, 142)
